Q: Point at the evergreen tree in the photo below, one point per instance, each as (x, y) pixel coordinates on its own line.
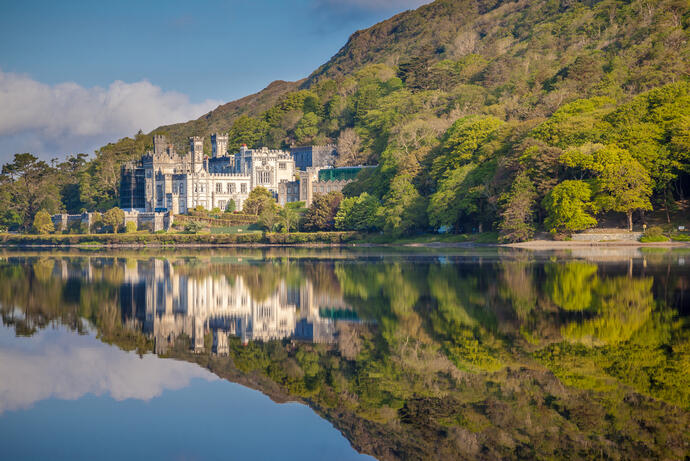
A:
(516, 223)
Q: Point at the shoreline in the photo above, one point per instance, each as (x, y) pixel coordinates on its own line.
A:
(539, 245)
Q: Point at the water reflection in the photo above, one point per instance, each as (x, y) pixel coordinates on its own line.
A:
(164, 302)
(475, 355)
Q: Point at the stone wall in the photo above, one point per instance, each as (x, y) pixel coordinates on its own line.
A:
(607, 236)
(149, 220)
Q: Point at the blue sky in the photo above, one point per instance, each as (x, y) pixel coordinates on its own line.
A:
(77, 74)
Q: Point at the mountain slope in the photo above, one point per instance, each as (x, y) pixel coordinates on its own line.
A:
(457, 99)
(533, 56)
(220, 118)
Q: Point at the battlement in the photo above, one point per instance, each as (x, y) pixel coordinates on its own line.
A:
(230, 175)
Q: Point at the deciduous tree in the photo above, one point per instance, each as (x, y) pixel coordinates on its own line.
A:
(42, 223)
(568, 206)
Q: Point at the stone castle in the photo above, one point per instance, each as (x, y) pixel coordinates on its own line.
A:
(163, 181)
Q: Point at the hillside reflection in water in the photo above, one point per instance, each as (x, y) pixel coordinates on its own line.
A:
(458, 354)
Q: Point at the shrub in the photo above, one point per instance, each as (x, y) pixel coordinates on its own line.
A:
(42, 223)
(654, 231)
(131, 227)
(654, 234)
(192, 227)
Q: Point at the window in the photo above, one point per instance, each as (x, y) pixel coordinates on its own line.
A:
(219, 187)
(231, 188)
(181, 189)
(196, 188)
(174, 188)
(282, 165)
(243, 188)
(222, 205)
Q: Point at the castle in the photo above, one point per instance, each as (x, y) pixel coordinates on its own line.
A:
(163, 181)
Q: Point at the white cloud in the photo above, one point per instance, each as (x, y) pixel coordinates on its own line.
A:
(52, 120)
(60, 364)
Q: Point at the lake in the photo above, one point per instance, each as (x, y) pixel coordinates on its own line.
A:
(345, 353)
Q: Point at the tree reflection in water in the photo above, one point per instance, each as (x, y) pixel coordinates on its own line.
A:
(411, 356)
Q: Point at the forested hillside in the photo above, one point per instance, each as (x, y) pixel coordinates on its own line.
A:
(505, 115)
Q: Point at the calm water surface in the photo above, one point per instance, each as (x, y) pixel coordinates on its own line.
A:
(345, 354)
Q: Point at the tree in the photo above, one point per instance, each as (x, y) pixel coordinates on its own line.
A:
(567, 207)
(349, 144)
(42, 223)
(290, 214)
(231, 206)
(192, 227)
(114, 218)
(96, 222)
(269, 218)
(259, 199)
(462, 143)
(307, 128)
(320, 216)
(246, 130)
(622, 185)
(131, 227)
(31, 186)
(404, 209)
(357, 213)
(516, 219)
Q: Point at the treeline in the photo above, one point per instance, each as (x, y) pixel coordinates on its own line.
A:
(511, 117)
(79, 183)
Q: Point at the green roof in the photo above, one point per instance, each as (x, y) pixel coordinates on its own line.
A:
(339, 174)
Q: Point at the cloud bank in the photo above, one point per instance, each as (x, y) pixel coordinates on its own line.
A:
(53, 120)
(60, 364)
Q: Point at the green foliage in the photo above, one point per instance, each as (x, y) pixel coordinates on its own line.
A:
(462, 144)
(358, 213)
(192, 227)
(231, 207)
(131, 227)
(42, 223)
(654, 234)
(259, 199)
(307, 128)
(320, 216)
(404, 209)
(622, 184)
(516, 223)
(269, 218)
(290, 215)
(567, 206)
(456, 120)
(246, 130)
(113, 218)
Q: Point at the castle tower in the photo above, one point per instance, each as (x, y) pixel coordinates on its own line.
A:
(160, 144)
(196, 148)
(219, 144)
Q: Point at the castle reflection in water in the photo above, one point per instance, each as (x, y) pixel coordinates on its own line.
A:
(164, 304)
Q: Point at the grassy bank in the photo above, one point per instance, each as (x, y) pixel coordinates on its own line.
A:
(178, 239)
(243, 238)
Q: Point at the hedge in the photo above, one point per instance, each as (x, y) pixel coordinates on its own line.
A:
(177, 239)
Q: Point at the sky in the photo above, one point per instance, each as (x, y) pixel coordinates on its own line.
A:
(75, 75)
